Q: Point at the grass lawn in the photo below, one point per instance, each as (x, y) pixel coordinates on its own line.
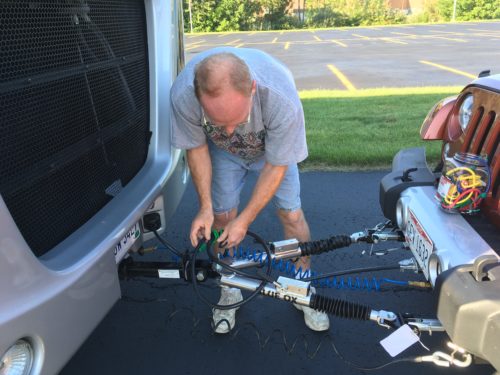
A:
(364, 129)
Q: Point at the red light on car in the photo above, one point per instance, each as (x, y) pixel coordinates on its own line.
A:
(454, 129)
(435, 121)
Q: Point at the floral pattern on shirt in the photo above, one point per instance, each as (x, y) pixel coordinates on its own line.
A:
(248, 146)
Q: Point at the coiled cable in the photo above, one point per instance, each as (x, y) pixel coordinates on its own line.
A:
(259, 240)
(328, 280)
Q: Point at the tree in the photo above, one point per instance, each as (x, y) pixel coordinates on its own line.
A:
(222, 15)
(276, 14)
(202, 14)
(469, 9)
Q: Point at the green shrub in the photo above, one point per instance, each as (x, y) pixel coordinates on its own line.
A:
(466, 10)
(221, 15)
(329, 13)
(326, 17)
(234, 15)
(275, 15)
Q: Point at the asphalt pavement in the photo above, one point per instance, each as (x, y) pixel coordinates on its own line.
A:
(161, 326)
(376, 56)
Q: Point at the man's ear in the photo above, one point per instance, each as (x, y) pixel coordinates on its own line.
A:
(254, 87)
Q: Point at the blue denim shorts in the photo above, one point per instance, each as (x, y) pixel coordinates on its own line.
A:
(229, 173)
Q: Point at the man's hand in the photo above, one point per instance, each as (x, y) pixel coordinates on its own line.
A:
(234, 232)
(201, 226)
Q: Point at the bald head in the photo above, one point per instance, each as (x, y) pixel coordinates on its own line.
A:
(220, 72)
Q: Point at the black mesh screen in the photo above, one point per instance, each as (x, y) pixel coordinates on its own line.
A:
(74, 110)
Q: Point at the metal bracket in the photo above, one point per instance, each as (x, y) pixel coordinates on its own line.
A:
(292, 286)
(426, 325)
(384, 318)
(409, 264)
(381, 232)
(446, 360)
(480, 263)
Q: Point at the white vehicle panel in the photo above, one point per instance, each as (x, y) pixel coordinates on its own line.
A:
(451, 237)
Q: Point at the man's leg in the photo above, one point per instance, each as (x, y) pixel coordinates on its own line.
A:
(295, 226)
(287, 200)
(228, 177)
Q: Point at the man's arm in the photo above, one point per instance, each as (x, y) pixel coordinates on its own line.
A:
(201, 172)
(268, 183)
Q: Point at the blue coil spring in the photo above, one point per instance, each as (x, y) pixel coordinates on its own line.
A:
(287, 267)
(353, 283)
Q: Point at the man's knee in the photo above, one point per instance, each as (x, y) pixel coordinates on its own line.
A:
(294, 224)
(292, 218)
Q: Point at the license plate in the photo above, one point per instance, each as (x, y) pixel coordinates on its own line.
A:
(420, 243)
(126, 242)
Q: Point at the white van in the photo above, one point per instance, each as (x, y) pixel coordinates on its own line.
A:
(85, 153)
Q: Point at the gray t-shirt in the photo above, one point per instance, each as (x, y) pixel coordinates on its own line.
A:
(276, 127)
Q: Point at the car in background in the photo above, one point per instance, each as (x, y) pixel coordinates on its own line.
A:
(85, 142)
(450, 216)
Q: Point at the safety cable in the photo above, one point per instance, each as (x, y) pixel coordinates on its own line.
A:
(351, 271)
(167, 245)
